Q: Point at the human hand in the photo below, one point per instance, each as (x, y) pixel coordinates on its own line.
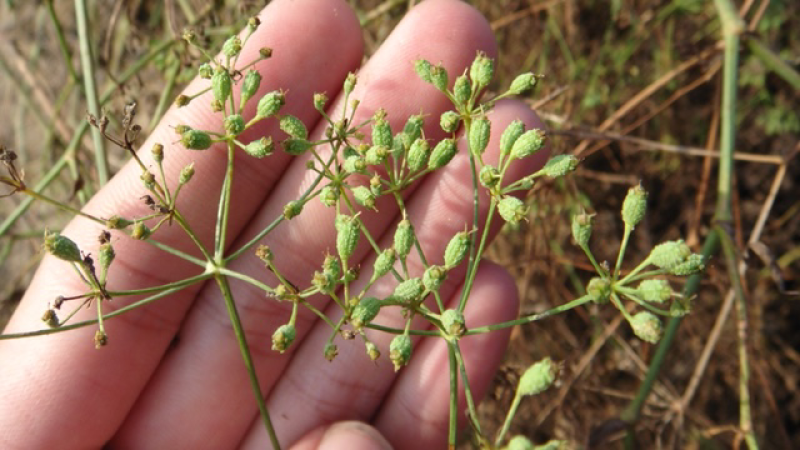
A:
(172, 374)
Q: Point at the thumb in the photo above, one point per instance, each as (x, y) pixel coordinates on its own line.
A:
(352, 435)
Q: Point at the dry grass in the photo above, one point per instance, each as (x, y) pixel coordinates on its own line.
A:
(633, 88)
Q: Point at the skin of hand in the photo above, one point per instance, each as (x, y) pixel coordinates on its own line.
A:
(172, 375)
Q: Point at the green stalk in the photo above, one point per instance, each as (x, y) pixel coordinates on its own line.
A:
(532, 318)
(123, 310)
(93, 105)
(731, 26)
(462, 367)
(224, 208)
(238, 330)
(62, 41)
(774, 62)
(453, 424)
(745, 417)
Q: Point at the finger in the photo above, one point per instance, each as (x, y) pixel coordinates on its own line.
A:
(416, 412)
(351, 435)
(55, 377)
(441, 207)
(206, 368)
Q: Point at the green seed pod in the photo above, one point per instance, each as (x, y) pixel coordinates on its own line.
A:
(347, 236)
(375, 185)
(439, 77)
(403, 239)
(635, 206)
(449, 121)
(61, 247)
(695, 263)
(294, 127)
(376, 155)
(149, 180)
(400, 145)
(364, 197)
(221, 85)
(647, 326)
(538, 378)
(453, 322)
(433, 277)
(140, 231)
(324, 283)
(264, 253)
(482, 70)
(413, 127)
(295, 147)
(522, 83)
(456, 249)
(349, 83)
(158, 153)
(331, 267)
(50, 318)
(654, 291)
(118, 223)
(186, 173)
(182, 100)
(423, 69)
(105, 256)
(217, 106)
(489, 176)
(512, 132)
(462, 90)
(196, 140)
(519, 442)
(559, 165)
(329, 195)
(320, 100)
(512, 210)
(232, 46)
(260, 148)
(529, 143)
(234, 124)
(330, 351)
(669, 254)
(408, 291)
(418, 155)
(366, 310)
(599, 290)
(383, 263)
(250, 86)
(442, 154)
(253, 23)
(283, 337)
(205, 71)
(372, 351)
(292, 209)
(479, 134)
(582, 228)
(355, 164)
(400, 351)
(270, 104)
(382, 133)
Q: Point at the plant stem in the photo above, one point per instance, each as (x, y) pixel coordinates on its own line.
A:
(93, 105)
(512, 411)
(774, 62)
(453, 423)
(462, 367)
(238, 330)
(532, 318)
(745, 417)
(224, 207)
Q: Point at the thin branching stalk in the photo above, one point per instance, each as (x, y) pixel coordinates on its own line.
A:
(89, 87)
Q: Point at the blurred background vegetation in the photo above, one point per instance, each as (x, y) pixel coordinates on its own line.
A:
(632, 87)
